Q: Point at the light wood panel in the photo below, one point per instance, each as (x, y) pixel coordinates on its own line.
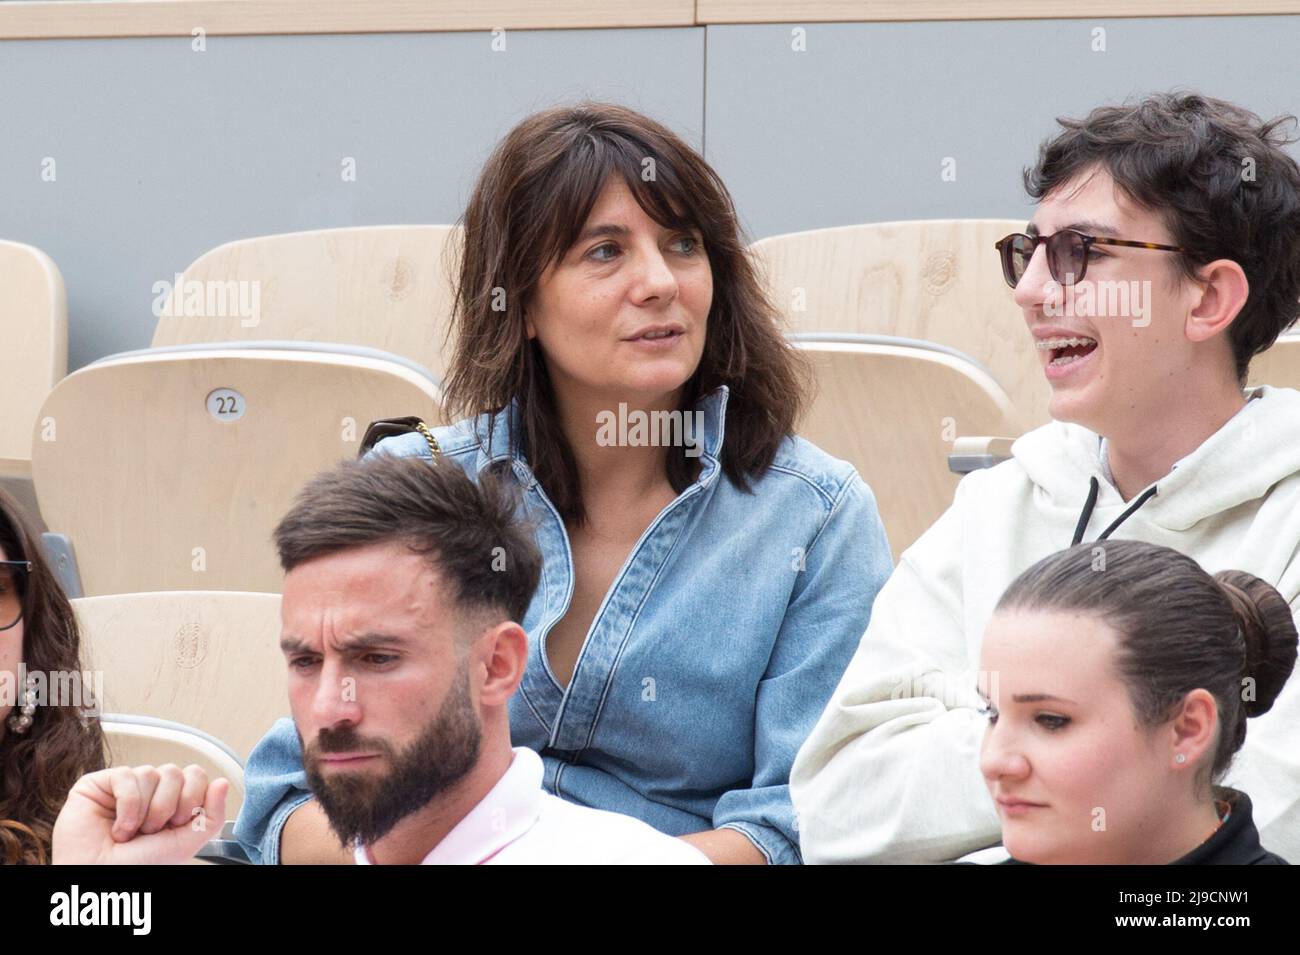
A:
(1279, 366)
(180, 17)
(33, 19)
(937, 280)
(893, 412)
(386, 287)
(814, 11)
(210, 659)
(33, 341)
(157, 493)
(382, 287)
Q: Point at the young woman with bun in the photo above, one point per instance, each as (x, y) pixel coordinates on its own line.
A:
(1119, 680)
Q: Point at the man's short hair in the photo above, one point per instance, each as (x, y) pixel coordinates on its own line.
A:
(1218, 177)
(468, 531)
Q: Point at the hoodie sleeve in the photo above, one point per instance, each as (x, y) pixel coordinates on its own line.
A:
(891, 770)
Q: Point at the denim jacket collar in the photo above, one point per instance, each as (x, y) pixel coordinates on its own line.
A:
(493, 432)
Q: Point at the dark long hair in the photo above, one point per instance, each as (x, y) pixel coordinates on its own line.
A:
(37, 768)
(528, 208)
(1179, 630)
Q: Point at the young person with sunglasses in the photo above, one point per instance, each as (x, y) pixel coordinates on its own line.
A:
(703, 584)
(1114, 704)
(46, 744)
(1190, 205)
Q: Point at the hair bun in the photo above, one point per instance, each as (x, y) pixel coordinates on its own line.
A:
(1269, 633)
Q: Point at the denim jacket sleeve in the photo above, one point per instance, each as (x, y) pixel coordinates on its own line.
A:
(843, 568)
(274, 786)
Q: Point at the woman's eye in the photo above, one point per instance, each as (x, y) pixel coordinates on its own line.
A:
(599, 258)
(1052, 722)
(990, 711)
(694, 244)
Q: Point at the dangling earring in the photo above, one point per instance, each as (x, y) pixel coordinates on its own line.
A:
(21, 721)
(1180, 758)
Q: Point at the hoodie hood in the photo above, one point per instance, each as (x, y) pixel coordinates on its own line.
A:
(1254, 450)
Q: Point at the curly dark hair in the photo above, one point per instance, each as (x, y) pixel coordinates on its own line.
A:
(39, 767)
(1218, 177)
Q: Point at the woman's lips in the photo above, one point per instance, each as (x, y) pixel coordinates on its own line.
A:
(657, 344)
(1017, 807)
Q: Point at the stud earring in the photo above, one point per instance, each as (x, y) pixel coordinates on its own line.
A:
(1180, 758)
(21, 721)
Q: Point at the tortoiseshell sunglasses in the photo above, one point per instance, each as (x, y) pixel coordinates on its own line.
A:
(1067, 253)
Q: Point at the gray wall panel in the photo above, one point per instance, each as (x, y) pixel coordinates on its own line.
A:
(855, 129)
(163, 152)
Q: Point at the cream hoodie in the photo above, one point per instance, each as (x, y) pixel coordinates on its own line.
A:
(891, 770)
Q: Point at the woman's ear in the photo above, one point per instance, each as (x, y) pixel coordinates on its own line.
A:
(1193, 730)
(528, 325)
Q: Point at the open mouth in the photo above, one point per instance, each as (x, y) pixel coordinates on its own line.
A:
(1066, 351)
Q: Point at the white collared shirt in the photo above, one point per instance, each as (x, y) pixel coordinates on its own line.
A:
(519, 823)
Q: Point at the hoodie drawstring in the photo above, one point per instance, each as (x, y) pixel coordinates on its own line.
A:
(1086, 516)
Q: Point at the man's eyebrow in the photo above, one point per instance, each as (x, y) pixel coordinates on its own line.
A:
(369, 641)
(294, 645)
(361, 642)
(1040, 698)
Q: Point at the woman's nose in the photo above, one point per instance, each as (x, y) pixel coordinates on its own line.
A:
(1001, 756)
(656, 279)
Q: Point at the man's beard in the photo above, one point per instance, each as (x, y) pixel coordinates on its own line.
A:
(363, 806)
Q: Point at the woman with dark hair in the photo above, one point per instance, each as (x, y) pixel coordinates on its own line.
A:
(1118, 679)
(706, 574)
(45, 744)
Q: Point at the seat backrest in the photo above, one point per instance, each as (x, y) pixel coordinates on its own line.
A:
(170, 471)
(1279, 366)
(208, 659)
(141, 741)
(33, 342)
(935, 280)
(893, 411)
(386, 287)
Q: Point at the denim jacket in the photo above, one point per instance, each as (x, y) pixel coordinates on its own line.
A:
(708, 663)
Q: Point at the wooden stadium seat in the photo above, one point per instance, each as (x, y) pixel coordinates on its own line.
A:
(208, 659)
(935, 280)
(143, 741)
(1279, 365)
(33, 357)
(168, 471)
(386, 287)
(893, 411)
